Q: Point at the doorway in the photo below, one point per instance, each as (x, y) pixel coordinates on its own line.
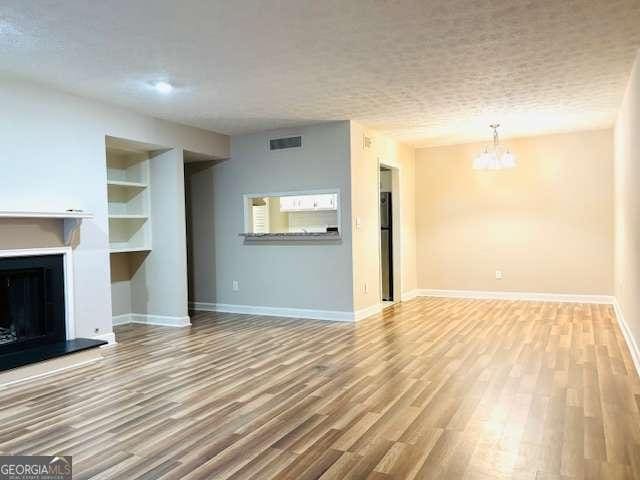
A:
(389, 239)
(386, 234)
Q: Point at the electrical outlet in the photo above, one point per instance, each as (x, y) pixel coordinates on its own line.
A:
(96, 330)
(235, 285)
(358, 223)
(498, 274)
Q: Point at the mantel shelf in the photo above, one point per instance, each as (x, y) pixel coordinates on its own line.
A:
(53, 214)
(71, 219)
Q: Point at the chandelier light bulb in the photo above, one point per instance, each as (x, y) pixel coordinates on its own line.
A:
(496, 158)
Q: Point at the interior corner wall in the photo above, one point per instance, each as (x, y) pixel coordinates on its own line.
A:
(159, 284)
(52, 157)
(304, 275)
(547, 224)
(627, 205)
(365, 201)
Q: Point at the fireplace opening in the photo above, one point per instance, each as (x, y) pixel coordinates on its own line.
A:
(32, 302)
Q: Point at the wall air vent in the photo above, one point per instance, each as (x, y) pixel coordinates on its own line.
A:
(282, 143)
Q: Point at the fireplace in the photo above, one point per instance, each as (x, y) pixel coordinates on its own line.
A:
(32, 302)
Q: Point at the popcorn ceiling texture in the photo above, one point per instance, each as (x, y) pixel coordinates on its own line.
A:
(425, 72)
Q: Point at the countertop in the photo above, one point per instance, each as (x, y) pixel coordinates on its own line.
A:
(292, 236)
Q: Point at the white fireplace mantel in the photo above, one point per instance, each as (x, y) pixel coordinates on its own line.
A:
(71, 219)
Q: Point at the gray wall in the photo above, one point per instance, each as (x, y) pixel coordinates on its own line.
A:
(295, 275)
(52, 156)
(200, 231)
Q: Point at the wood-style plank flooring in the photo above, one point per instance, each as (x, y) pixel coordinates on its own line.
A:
(432, 388)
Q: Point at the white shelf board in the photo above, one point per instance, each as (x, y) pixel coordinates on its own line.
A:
(43, 214)
(127, 184)
(127, 249)
(127, 216)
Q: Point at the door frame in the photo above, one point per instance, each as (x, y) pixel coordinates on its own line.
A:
(396, 253)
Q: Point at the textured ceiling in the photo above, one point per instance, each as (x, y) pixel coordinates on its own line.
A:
(425, 72)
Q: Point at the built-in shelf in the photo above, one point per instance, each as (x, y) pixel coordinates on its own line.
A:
(127, 249)
(129, 200)
(128, 216)
(126, 184)
(71, 218)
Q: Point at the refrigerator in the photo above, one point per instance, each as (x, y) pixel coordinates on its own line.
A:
(386, 244)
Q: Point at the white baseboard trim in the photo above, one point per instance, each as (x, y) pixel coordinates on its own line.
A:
(108, 337)
(123, 319)
(146, 319)
(410, 295)
(331, 315)
(628, 336)
(367, 312)
(530, 296)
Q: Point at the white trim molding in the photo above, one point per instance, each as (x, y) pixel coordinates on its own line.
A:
(628, 336)
(107, 337)
(331, 315)
(367, 312)
(304, 313)
(530, 296)
(147, 319)
(410, 295)
(123, 319)
(67, 256)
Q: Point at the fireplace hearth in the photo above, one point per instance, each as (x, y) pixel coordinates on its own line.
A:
(33, 317)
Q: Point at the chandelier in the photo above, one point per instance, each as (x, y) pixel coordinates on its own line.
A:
(495, 158)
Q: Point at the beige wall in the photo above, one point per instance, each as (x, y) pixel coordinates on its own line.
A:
(547, 224)
(627, 204)
(365, 206)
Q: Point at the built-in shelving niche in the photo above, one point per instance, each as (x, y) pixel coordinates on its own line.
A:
(129, 197)
(129, 167)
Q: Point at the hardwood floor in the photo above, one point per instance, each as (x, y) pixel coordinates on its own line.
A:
(432, 388)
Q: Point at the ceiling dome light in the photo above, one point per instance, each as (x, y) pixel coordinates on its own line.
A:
(163, 87)
(496, 158)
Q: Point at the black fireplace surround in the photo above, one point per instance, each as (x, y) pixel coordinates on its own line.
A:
(32, 307)
(32, 311)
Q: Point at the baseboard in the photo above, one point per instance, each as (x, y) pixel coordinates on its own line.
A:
(146, 319)
(530, 296)
(123, 319)
(410, 295)
(107, 337)
(367, 312)
(628, 336)
(331, 315)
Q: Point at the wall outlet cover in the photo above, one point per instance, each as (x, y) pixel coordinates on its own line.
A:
(235, 285)
(498, 274)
